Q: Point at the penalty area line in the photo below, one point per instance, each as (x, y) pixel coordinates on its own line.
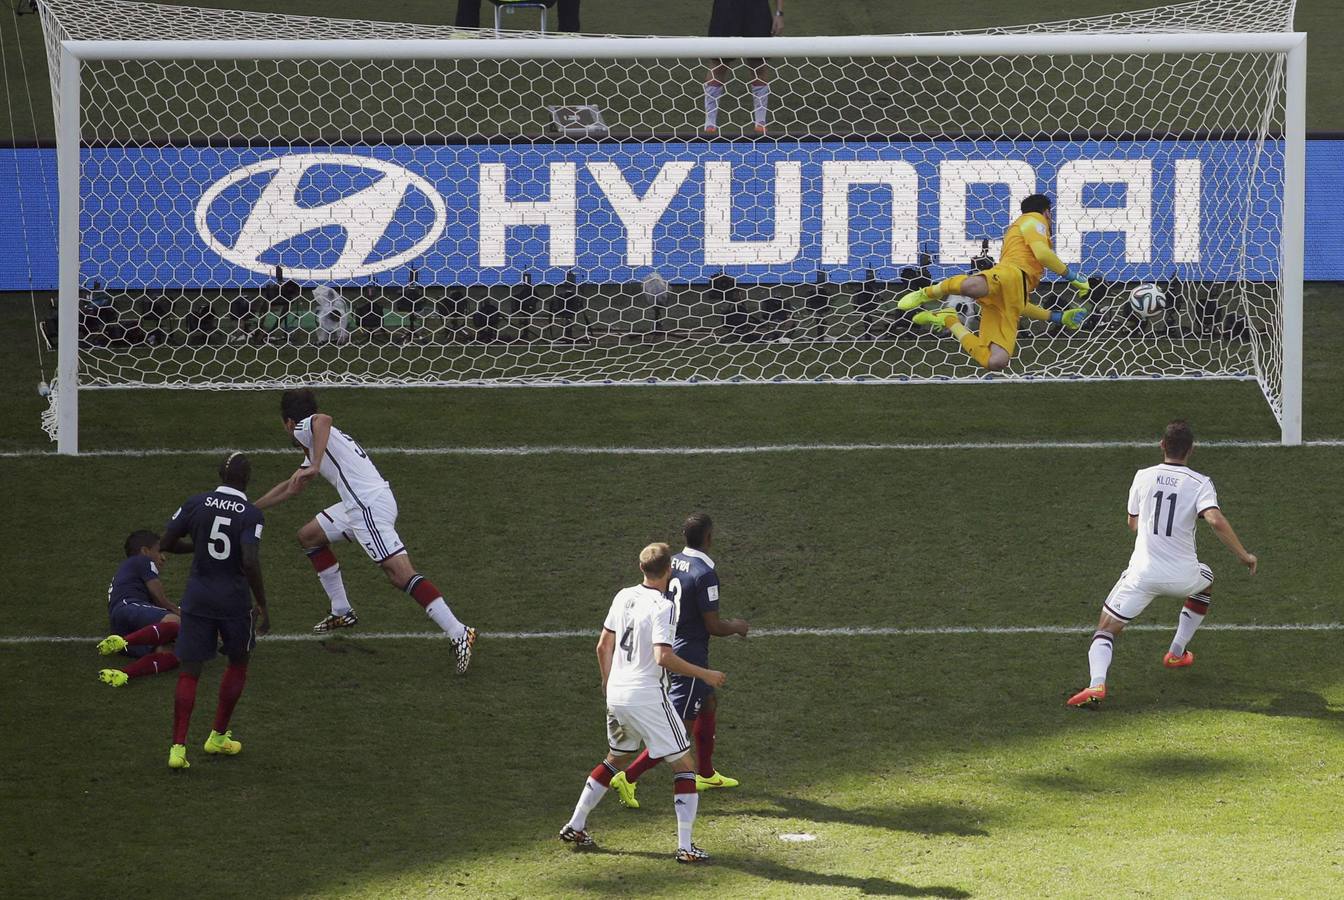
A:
(858, 631)
(566, 450)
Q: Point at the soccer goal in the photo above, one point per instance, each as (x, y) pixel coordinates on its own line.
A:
(251, 200)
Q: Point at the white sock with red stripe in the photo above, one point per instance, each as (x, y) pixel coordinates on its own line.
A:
(687, 802)
(760, 103)
(713, 93)
(329, 573)
(1099, 657)
(427, 595)
(1192, 616)
(593, 792)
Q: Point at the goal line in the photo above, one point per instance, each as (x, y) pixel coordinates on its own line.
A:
(739, 450)
(15, 640)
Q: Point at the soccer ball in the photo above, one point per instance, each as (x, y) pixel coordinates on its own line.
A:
(1148, 301)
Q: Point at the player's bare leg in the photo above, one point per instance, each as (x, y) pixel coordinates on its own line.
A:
(594, 789)
(718, 74)
(315, 545)
(1099, 661)
(1192, 616)
(760, 96)
(404, 577)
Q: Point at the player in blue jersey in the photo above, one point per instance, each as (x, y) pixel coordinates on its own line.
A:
(221, 529)
(142, 619)
(694, 590)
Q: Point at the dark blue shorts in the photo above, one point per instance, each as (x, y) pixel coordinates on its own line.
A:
(688, 695)
(132, 616)
(200, 636)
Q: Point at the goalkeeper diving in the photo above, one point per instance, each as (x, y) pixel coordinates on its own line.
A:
(1003, 291)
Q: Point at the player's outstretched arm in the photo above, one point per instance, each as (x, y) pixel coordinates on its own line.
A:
(175, 538)
(278, 494)
(606, 648)
(1046, 256)
(668, 659)
(1223, 528)
(160, 597)
(252, 571)
(720, 627)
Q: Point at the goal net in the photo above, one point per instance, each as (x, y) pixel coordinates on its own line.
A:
(270, 200)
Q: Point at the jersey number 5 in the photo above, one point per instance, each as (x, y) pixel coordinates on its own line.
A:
(220, 546)
(1157, 511)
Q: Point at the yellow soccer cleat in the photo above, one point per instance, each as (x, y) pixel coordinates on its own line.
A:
(223, 743)
(625, 791)
(937, 319)
(113, 677)
(112, 644)
(914, 300)
(714, 781)
(177, 757)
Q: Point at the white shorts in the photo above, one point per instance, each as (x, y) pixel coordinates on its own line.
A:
(372, 525)
(654, 724)
(1132, 593)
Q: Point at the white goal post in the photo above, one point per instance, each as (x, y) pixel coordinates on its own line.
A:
(1254, 330)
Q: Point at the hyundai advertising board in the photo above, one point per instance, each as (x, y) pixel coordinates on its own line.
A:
(779, 211)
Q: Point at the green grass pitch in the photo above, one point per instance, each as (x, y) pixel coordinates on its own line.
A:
(926, 764)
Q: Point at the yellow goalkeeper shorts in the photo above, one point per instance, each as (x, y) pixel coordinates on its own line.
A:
(1001, 309)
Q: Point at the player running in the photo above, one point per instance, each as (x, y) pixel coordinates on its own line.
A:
(634, 655)
(366, 514)
(1003, 291)
(695, 593)
(1164, 504)
(222, 531)
(142, 619)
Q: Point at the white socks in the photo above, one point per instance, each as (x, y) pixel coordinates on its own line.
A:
(444, 618)
(686, 806)
(1099, 657)
(591, 796)
(712, 94)
(760, 103)
(335, 588)
(1185, 628)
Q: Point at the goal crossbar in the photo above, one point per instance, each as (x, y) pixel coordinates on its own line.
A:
(655, 48)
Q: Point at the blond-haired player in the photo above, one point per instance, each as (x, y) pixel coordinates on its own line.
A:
(1003, 291)
(634, 655)
(1165, 503)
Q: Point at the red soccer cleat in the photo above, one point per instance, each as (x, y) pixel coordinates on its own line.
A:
(1088, 697)
(1178, 662)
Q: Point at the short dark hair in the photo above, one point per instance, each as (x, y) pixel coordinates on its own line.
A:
(1036, 203)
(297, 405)
(696, 529)
(236, 470)
(140, 540)
(1178, 438)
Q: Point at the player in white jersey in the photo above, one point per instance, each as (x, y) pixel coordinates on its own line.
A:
(366, 515)
(634, 655)
(1165, 504)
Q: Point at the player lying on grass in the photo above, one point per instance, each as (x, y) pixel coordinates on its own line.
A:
(634, 654)
(695, 594)
(142, 619)
(1003, 291)
(222, 532)
(366, 514)
(1165, 502)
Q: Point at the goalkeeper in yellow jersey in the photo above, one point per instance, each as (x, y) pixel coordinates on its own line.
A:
(1003, 291)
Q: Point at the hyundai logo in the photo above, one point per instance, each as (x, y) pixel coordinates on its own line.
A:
(317, 195)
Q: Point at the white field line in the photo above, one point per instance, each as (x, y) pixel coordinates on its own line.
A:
(563, 450)
(12, 640)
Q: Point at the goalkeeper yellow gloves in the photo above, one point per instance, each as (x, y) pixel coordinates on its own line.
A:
(1079, 283)
(1071, 319)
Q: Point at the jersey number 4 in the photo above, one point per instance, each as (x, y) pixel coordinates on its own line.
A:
(1157, 510)
(628, 643)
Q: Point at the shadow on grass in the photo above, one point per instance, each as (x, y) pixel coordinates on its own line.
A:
(921, 818)
(772, 871)
(1149, 768)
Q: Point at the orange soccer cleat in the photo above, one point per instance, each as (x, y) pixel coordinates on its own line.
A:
(1178, 662)
(1088, 697)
